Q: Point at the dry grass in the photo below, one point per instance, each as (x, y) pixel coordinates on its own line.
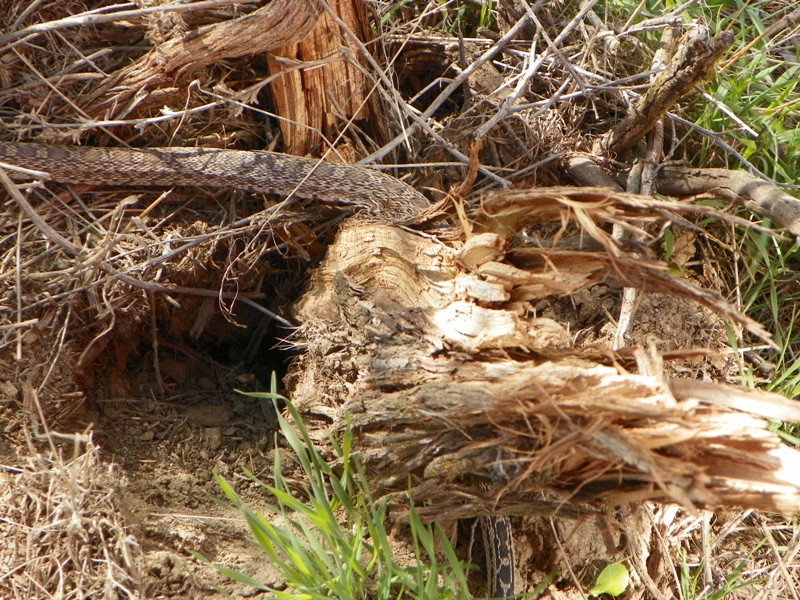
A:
(66, 536)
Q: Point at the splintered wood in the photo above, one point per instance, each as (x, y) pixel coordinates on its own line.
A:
(315, 100)
(459, 394)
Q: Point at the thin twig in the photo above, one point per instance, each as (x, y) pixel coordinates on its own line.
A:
(445, 93)
(103, 15)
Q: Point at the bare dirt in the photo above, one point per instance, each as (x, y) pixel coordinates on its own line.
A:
(152, 461)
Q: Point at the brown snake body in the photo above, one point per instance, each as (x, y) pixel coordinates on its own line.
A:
(377, 194)
(381, 196)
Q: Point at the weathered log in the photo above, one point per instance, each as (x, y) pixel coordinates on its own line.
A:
(314, 102)
(277, 24)
(761, 197)
(460, 397)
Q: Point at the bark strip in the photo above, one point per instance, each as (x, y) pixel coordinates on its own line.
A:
(278, 23)
(696, 55)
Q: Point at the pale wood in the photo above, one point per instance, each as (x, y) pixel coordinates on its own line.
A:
(761, 197)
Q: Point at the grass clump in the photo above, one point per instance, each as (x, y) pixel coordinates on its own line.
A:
(690, 578)
(327, 536)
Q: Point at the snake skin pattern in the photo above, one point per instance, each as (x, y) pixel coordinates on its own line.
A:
(379, 195)
(498, 544)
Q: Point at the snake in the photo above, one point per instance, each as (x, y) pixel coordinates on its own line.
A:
(379, 195)
(498, 544)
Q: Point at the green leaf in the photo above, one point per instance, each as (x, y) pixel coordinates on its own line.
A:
(613, 580)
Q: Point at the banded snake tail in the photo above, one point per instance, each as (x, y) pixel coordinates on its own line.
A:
(498, 545)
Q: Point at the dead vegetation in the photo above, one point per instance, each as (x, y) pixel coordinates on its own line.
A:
(496, 342)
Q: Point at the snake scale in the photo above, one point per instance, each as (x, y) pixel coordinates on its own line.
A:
(498, 543)
(379, 195)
